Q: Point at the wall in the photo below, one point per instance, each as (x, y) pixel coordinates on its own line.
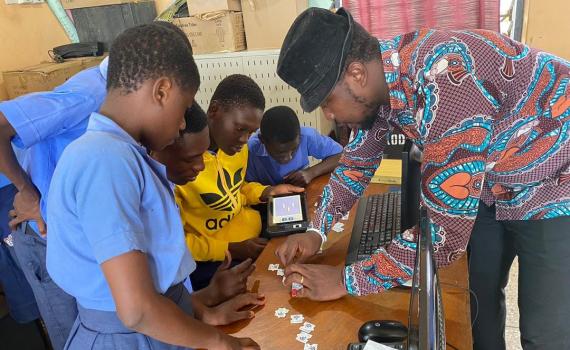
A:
(27, 32)
(161, 5)
(546, 26)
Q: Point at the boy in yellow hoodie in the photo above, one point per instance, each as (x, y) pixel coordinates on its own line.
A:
(215, 207)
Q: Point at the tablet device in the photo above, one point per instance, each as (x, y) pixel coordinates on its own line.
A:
(287, 214)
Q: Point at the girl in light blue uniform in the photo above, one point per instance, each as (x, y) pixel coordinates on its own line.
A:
(116, 242)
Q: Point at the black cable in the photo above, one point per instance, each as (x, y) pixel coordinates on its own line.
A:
(451, 346)
(55, 57)
(476, 307)
(471, 292)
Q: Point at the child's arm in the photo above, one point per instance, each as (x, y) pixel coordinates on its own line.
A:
(225, 300)
(252, 192)
(304, 177)
(320, 147)
(142, 309)
(276, 190)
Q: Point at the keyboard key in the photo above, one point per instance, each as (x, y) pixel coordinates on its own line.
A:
(381, 220)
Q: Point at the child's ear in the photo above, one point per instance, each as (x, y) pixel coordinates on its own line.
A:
(213, 109)
(162, 89)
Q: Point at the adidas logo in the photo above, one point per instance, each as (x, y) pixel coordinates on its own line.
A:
(221, 201)
(214, 224)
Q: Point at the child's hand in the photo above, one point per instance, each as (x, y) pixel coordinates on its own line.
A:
(299, 178)
(250, 248)
(27, 207)
(228, 282)
(233, 310)
(279, 189)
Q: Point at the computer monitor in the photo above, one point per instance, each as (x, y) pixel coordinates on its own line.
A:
(426, 320)
(410, 188)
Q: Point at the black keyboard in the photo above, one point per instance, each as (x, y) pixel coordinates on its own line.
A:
(377, 221)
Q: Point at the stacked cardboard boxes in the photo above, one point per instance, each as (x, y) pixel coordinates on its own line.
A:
(44, 76)
(267, 22)
(214, 26)
(200, 7)
(234, 25)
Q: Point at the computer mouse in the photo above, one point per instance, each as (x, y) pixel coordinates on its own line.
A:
(384, 331)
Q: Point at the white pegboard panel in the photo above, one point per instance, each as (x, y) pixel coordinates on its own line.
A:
(261, 66)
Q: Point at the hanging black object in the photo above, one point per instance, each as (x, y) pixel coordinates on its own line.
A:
(63, 52)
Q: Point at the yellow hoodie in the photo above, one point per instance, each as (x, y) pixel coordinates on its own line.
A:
(214, 208)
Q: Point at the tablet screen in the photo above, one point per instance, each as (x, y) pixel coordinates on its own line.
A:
(287, 209)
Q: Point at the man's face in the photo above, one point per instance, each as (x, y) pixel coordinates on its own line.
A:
(184, 158)
(349, 106)
(358, 95)
(231, 126)
(282, 152)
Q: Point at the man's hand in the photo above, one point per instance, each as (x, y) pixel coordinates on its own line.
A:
(279, 189)
(27, 207)
(320, 282)
(228, 282)
(248, 249)
(300, 178)
(299, 247)
(236, 309)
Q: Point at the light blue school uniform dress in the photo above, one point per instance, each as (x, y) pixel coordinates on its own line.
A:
(108, 198)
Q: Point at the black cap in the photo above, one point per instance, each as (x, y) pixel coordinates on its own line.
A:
(314, 52)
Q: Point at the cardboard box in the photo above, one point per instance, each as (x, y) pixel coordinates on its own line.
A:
(77, 4)
(268, 21)
(222, 34)
(198, 7)
(44, 76)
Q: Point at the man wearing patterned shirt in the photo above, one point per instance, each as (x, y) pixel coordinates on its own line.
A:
(492, 117)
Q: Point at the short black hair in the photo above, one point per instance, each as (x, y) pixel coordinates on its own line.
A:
(239, 90)
(280, 124)
(364, 47)
(195, 118)
(150, 51)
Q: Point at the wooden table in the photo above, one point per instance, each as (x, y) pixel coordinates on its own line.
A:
(337, 322)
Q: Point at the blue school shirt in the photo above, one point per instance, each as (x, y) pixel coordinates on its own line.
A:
(46, 122)
(4, 181)
(265, 170)
(107, 198)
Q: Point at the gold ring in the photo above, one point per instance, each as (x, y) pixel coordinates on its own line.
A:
(302, 279)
